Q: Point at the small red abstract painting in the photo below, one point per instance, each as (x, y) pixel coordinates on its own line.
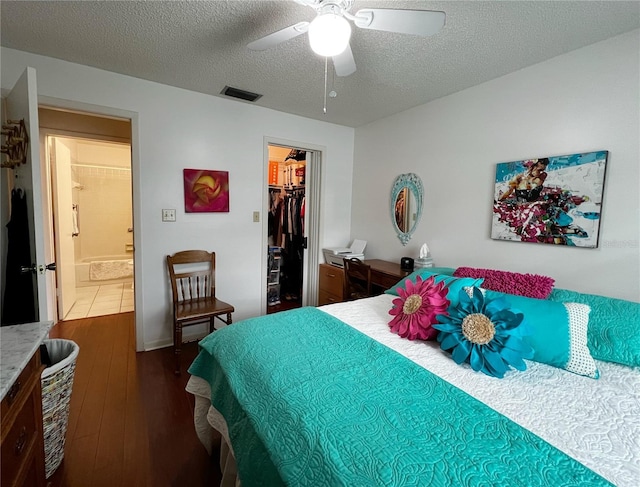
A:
(206, 191)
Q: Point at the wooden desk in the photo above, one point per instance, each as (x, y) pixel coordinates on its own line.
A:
(384, 274)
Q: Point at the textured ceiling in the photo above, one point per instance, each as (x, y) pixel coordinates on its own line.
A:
(201, 46)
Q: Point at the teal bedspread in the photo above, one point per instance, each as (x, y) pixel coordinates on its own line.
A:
(309, 401)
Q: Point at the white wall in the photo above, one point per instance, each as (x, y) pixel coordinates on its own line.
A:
(179, 129)
(582, 101)
(105, 211)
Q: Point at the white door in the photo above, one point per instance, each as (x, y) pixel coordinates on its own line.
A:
(65, 230)
(311, 229)
(22, 104)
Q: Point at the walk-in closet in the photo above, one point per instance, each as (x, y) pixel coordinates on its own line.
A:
(286, 180)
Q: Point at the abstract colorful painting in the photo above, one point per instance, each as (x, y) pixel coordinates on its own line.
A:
(206, 191)
(553, 200)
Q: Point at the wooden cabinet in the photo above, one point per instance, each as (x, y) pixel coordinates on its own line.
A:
(22, 444)
(331, 284)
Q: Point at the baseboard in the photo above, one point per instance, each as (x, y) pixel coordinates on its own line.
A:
(168, 342)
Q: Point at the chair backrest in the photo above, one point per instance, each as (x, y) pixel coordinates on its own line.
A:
(357, 279)
(192, 274)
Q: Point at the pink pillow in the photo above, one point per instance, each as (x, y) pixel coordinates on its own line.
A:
(417, 307)
(529, 285)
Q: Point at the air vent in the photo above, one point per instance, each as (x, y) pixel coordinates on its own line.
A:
(238, 93)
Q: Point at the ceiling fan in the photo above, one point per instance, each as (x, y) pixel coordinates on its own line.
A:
(330, 31)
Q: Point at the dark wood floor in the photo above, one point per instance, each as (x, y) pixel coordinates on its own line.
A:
(131, 421)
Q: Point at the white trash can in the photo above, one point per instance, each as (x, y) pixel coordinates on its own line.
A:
(57, 382)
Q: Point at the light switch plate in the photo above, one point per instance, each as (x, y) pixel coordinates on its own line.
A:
(256, 216)
(168, 215)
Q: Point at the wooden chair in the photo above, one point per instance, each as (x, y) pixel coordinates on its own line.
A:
(193, 283)
(357, 279)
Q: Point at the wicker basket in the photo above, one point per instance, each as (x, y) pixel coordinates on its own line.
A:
(57, 381)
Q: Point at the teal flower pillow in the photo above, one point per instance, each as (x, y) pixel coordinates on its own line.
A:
(441, 274)
(559, 332)
(614, 326)
(485, 333)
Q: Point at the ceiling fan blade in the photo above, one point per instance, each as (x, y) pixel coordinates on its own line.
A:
(276, 38)
(343, 63)
(416, 22)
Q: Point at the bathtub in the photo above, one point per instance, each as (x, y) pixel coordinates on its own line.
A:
(83, 270)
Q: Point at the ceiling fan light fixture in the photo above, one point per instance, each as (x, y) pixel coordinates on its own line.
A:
(329, 34)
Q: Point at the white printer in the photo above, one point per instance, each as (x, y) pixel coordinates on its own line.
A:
(335, 255)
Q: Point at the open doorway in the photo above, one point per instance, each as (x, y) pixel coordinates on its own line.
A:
(88, 160)
(93, 226)
(286, 227)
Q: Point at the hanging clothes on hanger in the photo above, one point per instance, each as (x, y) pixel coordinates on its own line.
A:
(276, 207)
(292, 248)
(19, 302)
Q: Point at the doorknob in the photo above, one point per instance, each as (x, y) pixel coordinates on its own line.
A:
(25, 269)
(35, 268)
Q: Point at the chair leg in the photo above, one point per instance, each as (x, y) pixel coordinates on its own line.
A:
(212, 325)
(177, 345)
(229, 321)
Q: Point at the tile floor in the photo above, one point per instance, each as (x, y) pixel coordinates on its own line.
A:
(101, 300)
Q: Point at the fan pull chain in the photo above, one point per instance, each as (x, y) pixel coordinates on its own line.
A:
(333, 81)
(326, 62)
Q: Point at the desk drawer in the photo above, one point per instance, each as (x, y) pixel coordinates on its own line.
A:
(383, 281)
(327, 298)
(332, 280)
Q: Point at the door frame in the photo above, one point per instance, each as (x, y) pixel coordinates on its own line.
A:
(103, 111)
(313, 187)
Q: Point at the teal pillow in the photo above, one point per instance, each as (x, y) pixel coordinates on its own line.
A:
(558, 332)
(453, 284)
(614, 326)
(447, 271)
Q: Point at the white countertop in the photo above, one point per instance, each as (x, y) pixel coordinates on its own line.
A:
(18, 343)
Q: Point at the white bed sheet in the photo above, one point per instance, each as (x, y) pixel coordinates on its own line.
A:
(596, 422)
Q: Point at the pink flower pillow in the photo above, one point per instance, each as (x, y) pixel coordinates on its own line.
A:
(416, 308)
(529, 285)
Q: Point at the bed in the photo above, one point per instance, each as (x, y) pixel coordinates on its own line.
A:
(329, 396)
